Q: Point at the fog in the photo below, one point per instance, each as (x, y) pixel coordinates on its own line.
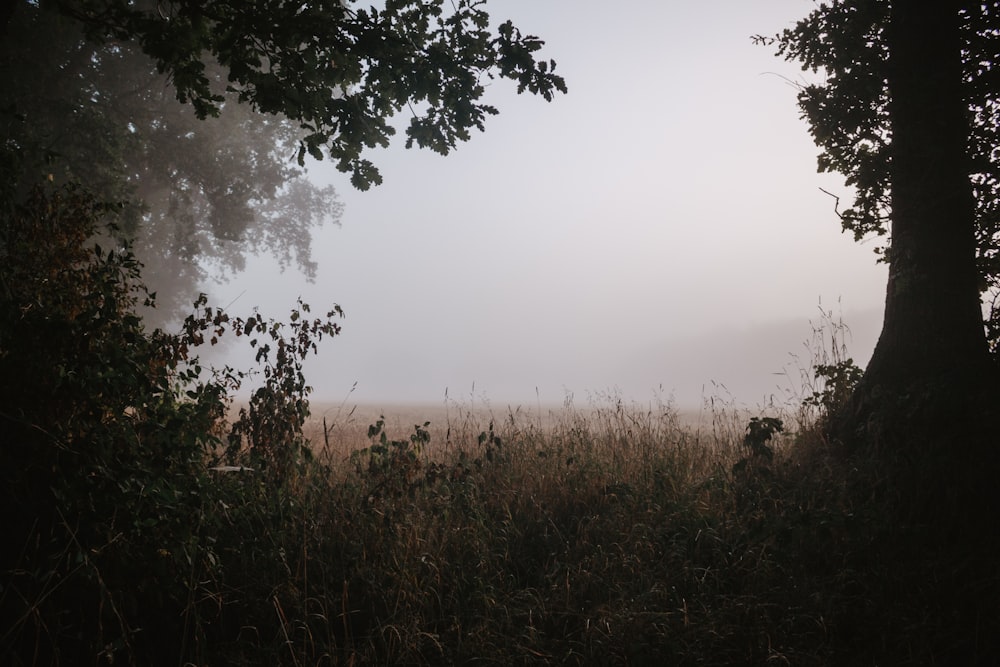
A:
(659, 231)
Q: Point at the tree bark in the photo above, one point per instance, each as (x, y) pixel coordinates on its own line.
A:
(6, 12)
(932, 351)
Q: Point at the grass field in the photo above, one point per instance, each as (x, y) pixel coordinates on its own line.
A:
(347, 424)
(605, 534)
(601, 533)
(611, 534)
(145, 526)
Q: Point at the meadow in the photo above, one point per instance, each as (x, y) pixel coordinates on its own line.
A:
(150, 521)
(342, 427)
(611, 533)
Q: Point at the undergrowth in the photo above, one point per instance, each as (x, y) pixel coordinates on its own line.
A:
(142, 527)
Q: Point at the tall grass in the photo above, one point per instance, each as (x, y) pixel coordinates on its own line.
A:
(142, 528)
(579, 542)
(611, 535)
(606, 535)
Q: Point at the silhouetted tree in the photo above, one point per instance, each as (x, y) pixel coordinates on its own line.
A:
(337, 71)
(198, 195)
(106, 428)
(190, 112)
(908, 113)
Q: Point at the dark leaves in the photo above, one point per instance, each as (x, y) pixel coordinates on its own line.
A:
(848, 117)
(338, 72)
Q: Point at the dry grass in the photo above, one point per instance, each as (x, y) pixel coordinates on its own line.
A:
(610, 534)
(613, 534)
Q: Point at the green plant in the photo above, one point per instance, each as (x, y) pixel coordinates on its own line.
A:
(103, 461)
(827, 380)
(836, 382)
(759, 432)
(109, 432)
(269, 430)
(393, 465)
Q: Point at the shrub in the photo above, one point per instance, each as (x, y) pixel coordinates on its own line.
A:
(109, 430)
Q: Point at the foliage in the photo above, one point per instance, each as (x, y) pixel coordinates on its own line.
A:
(269, 430)
(838, 381)
(109, 432)
(337, 71)
(143, 529)
(848, 116)
(199, 195)
(86, 97)
(393, 465)
(101, 460)
(760, 431)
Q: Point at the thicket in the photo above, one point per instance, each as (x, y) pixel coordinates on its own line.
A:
(143, 527)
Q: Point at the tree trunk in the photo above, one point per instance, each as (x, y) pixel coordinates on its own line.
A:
(6, 12)
(932, 355)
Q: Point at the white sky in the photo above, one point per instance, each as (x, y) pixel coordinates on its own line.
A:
(657, 229)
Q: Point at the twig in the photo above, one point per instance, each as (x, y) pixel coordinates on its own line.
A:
(836, 202)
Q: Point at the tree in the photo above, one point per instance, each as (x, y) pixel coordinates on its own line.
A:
(340, 73)
(109, 434)
(198, 194)
(209, 181)
(908, 114)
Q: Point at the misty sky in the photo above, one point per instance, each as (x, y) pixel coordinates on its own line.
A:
(658, 229)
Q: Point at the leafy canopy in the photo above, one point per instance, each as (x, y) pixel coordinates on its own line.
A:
(199, 195)
(189, 112)
(339, 71)
(847, 112)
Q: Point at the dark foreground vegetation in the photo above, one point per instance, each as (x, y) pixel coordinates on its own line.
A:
(143, 526)
(610, 537)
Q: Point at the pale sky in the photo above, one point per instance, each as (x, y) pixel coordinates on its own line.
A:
(658, 229)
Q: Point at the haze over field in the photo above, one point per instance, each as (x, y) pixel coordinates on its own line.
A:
(659, 228)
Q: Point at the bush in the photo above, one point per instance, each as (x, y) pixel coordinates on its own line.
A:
(610, 537)
(109, 433)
